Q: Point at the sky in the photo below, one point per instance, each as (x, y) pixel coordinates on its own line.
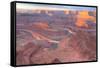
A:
(52, 7)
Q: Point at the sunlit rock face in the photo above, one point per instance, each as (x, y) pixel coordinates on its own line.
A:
(51, 36)
(82, 17)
